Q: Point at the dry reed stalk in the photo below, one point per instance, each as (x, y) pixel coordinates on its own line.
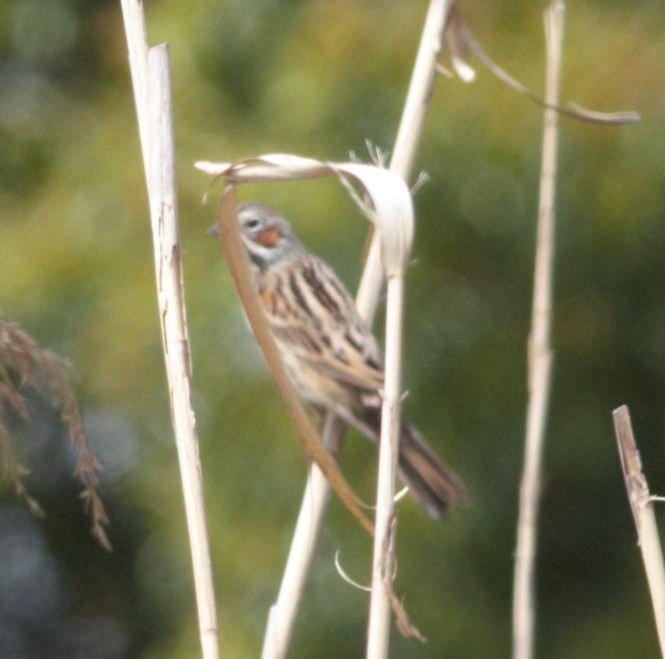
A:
(383, 563)
(151, 81)
(539, 352)
(409, 133)
(641, 506)
(317, 490)
(283, 613)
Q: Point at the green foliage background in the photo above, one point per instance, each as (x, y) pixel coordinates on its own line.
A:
(318, 78)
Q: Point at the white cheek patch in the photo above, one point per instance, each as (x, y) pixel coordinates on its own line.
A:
(261, 252)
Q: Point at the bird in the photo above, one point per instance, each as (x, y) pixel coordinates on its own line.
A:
(329, 353)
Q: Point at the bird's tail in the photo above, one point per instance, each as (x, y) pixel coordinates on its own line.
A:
(434, 485)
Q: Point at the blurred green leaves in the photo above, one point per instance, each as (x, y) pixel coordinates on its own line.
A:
(319, 78)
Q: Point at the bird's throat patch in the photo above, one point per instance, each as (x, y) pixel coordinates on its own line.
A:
(269, 237)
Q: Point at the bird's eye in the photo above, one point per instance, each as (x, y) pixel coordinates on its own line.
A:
(252, 224)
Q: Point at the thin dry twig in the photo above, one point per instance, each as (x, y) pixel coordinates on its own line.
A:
(51, 376)
(645, 520)
(539, 353)
(462, 44)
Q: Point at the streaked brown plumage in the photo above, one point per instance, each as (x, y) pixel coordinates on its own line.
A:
(330, 354)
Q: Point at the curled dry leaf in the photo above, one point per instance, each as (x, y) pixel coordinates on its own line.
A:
(392, 213)
(389, 194)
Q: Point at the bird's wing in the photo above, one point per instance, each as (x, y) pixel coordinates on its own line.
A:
(312, 315)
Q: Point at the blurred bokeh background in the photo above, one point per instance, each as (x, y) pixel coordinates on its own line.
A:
(319, 78)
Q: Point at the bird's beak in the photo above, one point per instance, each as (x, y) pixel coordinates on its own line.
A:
(214, 229)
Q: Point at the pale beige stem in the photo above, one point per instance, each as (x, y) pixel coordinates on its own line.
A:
(641, 506)
(383, 564)
(539, 353)
(410, 131)
(152, 88)
(304, 545)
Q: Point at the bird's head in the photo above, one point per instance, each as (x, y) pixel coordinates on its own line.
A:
(267, 235)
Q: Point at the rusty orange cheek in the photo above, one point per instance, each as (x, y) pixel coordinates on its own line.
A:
(269, 237)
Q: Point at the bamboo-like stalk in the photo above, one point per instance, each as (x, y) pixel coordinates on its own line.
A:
(137, 47)
(305, 540)
(304, 544)
(383, 563)
(170, 292)
(645, 520)
(151, 80)
(539, 353)
(408, 136)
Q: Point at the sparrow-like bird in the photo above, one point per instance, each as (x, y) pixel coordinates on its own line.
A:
(329, 353)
